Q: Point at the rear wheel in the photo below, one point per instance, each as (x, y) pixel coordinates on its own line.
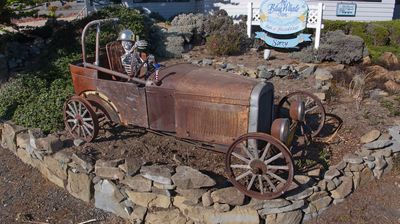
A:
(314, 112)
(260, 166)
(80, 119)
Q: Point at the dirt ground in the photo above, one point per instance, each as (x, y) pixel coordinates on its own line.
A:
(26, 197)
(376, 203)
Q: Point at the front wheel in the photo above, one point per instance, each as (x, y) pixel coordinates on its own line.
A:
(80, 119)
(259, 166)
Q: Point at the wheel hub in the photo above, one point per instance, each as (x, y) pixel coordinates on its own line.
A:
(258, 167)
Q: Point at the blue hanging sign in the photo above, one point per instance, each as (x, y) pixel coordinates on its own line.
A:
(283, 43)
(283, 16)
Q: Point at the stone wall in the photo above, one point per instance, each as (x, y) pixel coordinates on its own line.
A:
(158, 194)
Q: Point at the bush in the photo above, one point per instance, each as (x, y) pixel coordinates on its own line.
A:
(36, 97)
(378, 33)
(335, 46)
(227, 44)
(379, 37)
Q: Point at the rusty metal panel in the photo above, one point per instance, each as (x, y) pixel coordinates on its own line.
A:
(193, 80)
(209, 121)
(129, 98)
(83, 78)
(161, 109)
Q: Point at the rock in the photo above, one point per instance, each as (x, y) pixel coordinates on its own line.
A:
(207, 61)
(308, 71)
(282, 72)
(9, 135)
(295, 205)
(79, 185)
(332, 173)
(317, 195)
(392, 86)
(49, 144)
(356, 167)
(330, 185)
(380, 163)
(303, 180)
(149, 200)
(137, 183)
(138, 214)
(366, 176)
(157, 173)
(108, 198)
(221, 207)
(378, 173)
(170, 216)
(379, 144)
(370, 136)
(389, 166)
(386, 152)
(395, 147)
(34, 134)
(161, 192)
(113, 173)
(337, 181)
(192, 195)
(78, 142)
(351, 158)
(109, 163)
(48, 174)
(341, 165)
(292, 217)
(265, 74)
(301, 195)
(377, 94)
(343, 189)
(363, 152)
(323, 74)
(274, 203)
(356, 180)
(164, 186)
(395, 132)
(199, 214)
(22, 140)
(321, 203)
(25, 156)
(370, 164)
(84, 164)
(385, 136)
(367, 60)
(389, 59)
(206, 199)
(321, 96)
(132, 165)
(57, 168)
(189, 178)
(229, 195)
(230, 67)
(322, 185)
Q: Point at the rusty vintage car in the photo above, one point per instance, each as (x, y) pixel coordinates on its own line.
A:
(216, 110)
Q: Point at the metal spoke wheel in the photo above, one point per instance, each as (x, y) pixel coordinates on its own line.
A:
(80, 120)
(314, 117)
(259, 165)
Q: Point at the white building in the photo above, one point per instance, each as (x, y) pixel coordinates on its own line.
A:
(366, 10)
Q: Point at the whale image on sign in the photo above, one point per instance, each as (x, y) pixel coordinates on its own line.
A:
(283, 16)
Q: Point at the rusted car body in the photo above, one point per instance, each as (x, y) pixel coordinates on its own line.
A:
(231, 113)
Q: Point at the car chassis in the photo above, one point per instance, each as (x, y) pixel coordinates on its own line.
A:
(215, 110)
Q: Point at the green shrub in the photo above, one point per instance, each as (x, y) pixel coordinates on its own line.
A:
(228, 44)
(378, 33)
(36, 98)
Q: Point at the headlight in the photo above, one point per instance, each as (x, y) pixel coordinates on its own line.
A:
(297, 111)
(280, 129)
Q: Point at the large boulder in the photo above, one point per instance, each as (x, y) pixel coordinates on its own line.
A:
(188, 178)
(389, 59)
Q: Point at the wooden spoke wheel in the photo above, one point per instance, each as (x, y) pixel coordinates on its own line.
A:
(80, 119)
(314, 113)
(260, 166)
